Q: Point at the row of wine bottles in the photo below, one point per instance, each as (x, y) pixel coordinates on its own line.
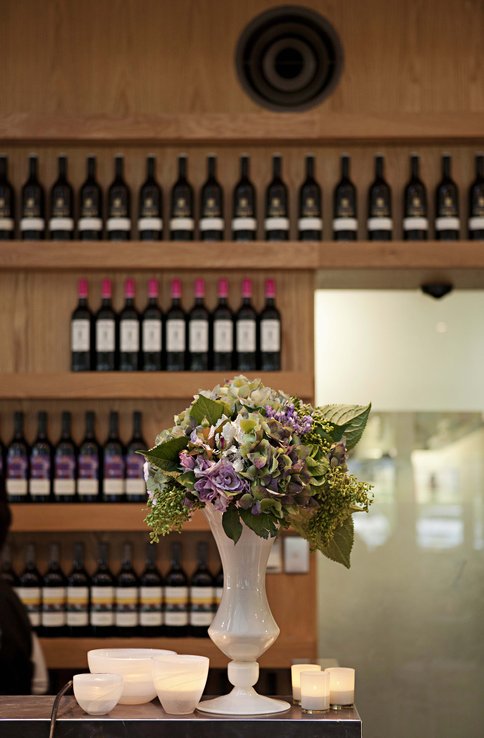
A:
(92, 222)
(196, 340)
(104, 604)
(64, 472)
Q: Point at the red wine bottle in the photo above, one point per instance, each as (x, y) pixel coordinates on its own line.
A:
(270, 331)
(81, 332)
(476, 202)
(119, 205)
(176, 596)
(175, 331)
(345, 224)
(53, 609)
(105, 331)
(129, 330)
(223, 330)
(29, 587)
(17, 463)
(201, 594)
(7, 203)
(244, 218)
(77, 595)
(447, 221)
(380, 222)
(101, 599)
(61, 223)
(126, 596)
(151, 596)
(246, 331)
(277, 205)
(415, 208)
(182, 220)
(150, 210)
(65, 463)
(41, 453)
(212, 205)
(152, 331)
(198, 331)
(310, 224)
(135, 482)
(89, 463)
(32, 218)
(113, 463)
(90, 224)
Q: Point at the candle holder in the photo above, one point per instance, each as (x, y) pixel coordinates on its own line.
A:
(314, 691)
(296, 670)
(342, 687)
(179, 681)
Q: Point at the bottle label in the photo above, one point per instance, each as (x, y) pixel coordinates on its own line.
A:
(126, 611)
(345, 224)
(246, 336)
(175, 336)
(447, 205)
(113, 474)
(32, 224)
(88, 467)
(244, 224)
(182, 224)
(31, 598)
(113, 487)
(53, 607)
(135, 487)
(201, 606)
(90, 224)
(152, 341)
(39, 469)
(270, 336)
(150, 610)
(380, 223)
(17, 487)
(129, 336)
(211, 224)
(65, 487)
(102, 600)
(7, 224)
(447, 223)
(80, 335)
(176, 606)
(476, 223)
(61, 224)
(77, 606)
(105, 335)
(65, 468)
(223, 336)
(134, 467)
(201, 618)
(39, 487)
(310, 224)
(118, 224)
(276, 224)
(414, 223)
(150, 224)
(198, 336)
(87, 487)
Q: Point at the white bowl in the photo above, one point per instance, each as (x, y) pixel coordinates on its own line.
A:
(180, 681)
(97, 694)
(134, 665)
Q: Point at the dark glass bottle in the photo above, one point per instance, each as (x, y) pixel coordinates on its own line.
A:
(150, 597)
(345, 223)
(126, 596)
(29, 587)
(89, 463)
(270, 330)
(201, 594)
(150, 210)
(380, 223)
(105, 331)
(119, 205)
(310, 224)
(77, 596)
(53, 609)
(7, 572)
(41, 463)
(176, 596)
(182, 218)
(32, 218)
(212, 205)
(61, 223)
(415, 208)
(81, 331)
(113, 463)
(90, 224)
(175, 331)
(129, 330)
(476, 202)
(246, 331)
(135, 482)
(198, 331)
(447, 222)
(152, 330)
(7, 203)
(65, 463)
(277, 205)
(223, 330)
(244, 220)
(17, 463)
(101, 596)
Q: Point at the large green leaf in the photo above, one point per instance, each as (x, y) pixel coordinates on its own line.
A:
(204, 407)
(165, 455)
(349, 421)
(231, 523)
(263, 525)
(339, 549)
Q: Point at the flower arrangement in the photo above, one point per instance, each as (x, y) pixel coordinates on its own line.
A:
(261, 458)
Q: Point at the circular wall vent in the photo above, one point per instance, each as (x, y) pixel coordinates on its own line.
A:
(289, 58)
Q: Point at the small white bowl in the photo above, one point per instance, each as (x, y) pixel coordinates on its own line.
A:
(97, 694)
(180, 681)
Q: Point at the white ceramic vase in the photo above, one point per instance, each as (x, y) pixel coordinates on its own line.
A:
(243, 628)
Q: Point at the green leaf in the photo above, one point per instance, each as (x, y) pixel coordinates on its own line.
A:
(263, 525)
(339, 549)
(165, 455)
(204, 407)
(231, 523)
(349, 421)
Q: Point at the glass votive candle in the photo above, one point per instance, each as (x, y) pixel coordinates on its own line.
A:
(314, 691)
(296, 670)
(179, 682)
(341, 687)
(97, 694)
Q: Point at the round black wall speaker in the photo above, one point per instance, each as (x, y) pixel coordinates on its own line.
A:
(289, 58)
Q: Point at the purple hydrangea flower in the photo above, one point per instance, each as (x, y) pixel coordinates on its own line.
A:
(217, 482)
(289, 417)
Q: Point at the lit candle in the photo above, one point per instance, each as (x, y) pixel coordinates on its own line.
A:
(314, 691)
(296, 670)
(342, 687)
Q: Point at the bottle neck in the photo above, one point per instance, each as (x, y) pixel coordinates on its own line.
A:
(103, 556)
(175, 302)
(118, 167)
(270, 301)
(310, 166)
(18, 425)
(78, 556)
(89, 426)
(54, 556)
(345, 166)
(33, 167)
(277, 167)
(182, 167)
(150, 167)
(136, 424)
(91, 167)
(246, 300)
(30, 556)
(379, 167)
(244, 166)
(480, 166)
(62, 167)
(66, 426)
(42, 428)
(127, 556)
(175, 557)
(113, 426)
(82, 303)
(106, 301)
(128, 301)
(3, 167)
(222, 301)
(211, 167)
(446, 166)
(414, 167)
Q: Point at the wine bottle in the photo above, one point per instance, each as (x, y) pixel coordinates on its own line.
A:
(212, 205)
(476, 202)
(182, 222)
(105, 331)
(7, 203)
(81, 331)
(270, 330)
(246, 331)
(176, 596)
(53, 609)
(77, 595)
(219, 588)
(223, 330)
(198, 331)
(310, 224)
(277, 205)
(113, 463)
(61, 223)
(447, 221)
(119, 205)
(175, 327)
(7, 572)
(126, 596)
(29, 587)
(345, 223)
(380, 222)
(150, 212)
(32, 220)
(41, 463)
(17, 463)
(244, 211)
(150, 597)
(415, 208)
(90, 224)
(101, 599)
(129, 330)
(201, 594)
(65, 463)
(152, 331)
(89, 463)
(135, 482)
